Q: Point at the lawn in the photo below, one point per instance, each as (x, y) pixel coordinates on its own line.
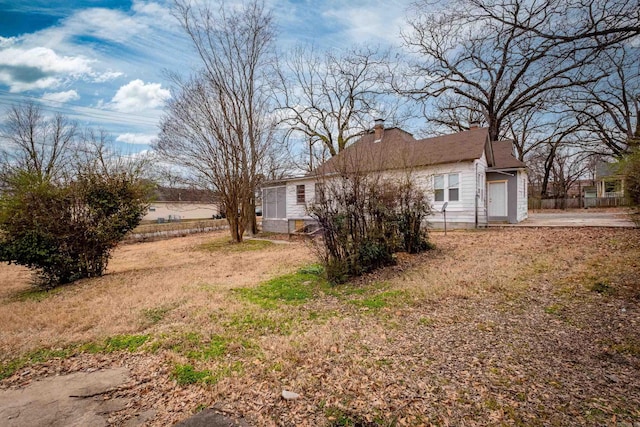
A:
(498, 327)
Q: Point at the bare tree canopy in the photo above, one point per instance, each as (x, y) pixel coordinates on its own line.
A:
(34, 143)
(218, 123)
(609, 109)
(331, 98)
(488, 65)
(597, 23)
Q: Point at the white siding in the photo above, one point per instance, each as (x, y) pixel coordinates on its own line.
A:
(472, 181)
(522, 195)
(180, 210)
(463, 210)
(297, 210)
(481, 182)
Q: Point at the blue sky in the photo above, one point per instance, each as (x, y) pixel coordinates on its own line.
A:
(103, 63)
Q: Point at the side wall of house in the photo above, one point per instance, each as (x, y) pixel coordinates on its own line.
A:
(297, 212)
(180, 210)
(460, 213)
(481, 183)
(514, 182)
(523, 184)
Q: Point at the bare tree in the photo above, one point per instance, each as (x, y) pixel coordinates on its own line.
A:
(453, 113)
(219, 124)
(489, 65)
(609, 109)
(95, 152)
(36, 143)
(557, 138)
(598, 24)
(329, 99)
(569, 167)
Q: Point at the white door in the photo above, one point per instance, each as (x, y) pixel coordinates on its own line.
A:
(497, 198)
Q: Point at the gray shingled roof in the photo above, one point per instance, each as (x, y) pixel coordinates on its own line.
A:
(606, 169)
(400, 150)
(503, 156)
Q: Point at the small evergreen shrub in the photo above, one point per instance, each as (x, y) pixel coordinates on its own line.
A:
(66, 231)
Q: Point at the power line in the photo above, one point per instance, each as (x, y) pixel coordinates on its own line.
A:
(80, 110)
(41, 100)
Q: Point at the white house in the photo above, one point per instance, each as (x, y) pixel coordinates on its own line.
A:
(174, 204)
(480, 180)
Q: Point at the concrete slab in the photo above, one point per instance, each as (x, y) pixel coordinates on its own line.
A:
(66, 400)
(575, 218)
(211, 418)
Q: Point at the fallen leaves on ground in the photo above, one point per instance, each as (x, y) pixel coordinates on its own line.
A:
(502, 327)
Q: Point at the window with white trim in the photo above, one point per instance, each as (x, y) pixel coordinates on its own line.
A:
(300, 196)
(454, 187)
(438, 188)
(446, 187)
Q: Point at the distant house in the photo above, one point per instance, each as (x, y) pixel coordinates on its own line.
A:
(480, 180)
(609, 181)
(175, 204)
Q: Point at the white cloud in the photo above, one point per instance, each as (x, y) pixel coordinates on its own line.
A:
(104, 24)
(6, 41)
(153, 13)
(373, 21)
(38, 68)
(136, 138)
(137, 96)
(106, 76)
(45, 59)
(69, 95)
(8, 77)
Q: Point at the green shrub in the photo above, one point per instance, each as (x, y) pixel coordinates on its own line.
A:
(630, 166)
(66, 231)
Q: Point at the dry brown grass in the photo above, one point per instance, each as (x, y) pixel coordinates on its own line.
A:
(505, 326)
(170, 273)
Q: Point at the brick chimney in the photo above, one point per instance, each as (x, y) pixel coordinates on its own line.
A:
(378, 129)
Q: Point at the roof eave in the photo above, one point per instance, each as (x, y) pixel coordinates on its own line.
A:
(504, 169)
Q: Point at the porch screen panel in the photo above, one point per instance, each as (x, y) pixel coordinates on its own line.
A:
(275, 202)
(281, 202)
(270, 203)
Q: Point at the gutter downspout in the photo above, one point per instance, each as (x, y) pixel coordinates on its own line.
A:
(503, 173)
(477, 196)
